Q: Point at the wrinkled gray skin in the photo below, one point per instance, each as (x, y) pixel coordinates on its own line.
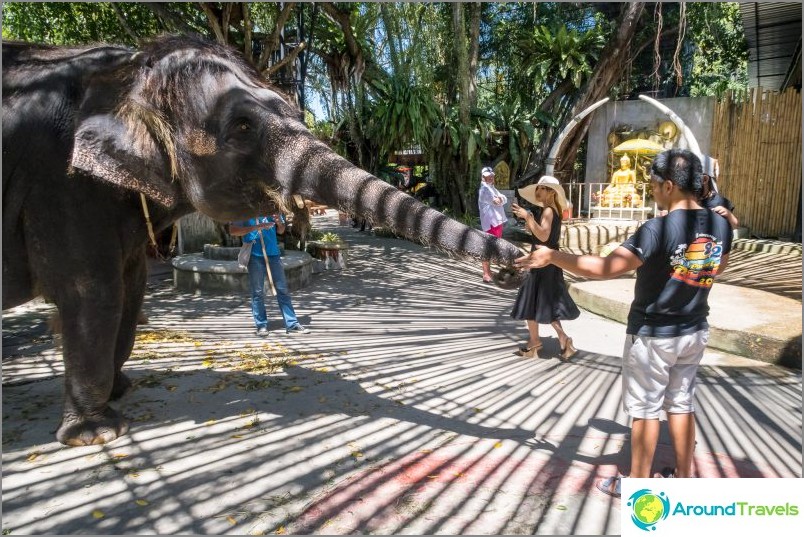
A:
(191, 126)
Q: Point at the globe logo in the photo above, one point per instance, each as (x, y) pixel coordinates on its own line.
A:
(648, 508)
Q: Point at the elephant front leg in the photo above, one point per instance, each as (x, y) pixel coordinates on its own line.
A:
(90, 335)
(134, 281)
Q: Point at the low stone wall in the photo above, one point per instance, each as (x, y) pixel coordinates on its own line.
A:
(589, 236)
(581, 238)
(742, 321)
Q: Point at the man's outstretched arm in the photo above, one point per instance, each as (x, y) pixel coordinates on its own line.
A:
(594, 267)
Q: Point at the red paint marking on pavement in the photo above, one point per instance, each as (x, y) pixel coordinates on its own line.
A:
(442, 485)
(460, 487)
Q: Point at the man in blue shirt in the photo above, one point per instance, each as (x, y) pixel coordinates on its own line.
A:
(267, 248)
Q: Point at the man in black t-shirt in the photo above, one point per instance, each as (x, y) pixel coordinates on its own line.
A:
(676, 258)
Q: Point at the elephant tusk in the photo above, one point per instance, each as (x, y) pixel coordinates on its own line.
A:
(691, 141)
(551, 158)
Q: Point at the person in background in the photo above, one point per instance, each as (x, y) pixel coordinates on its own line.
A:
(491, 204)
(543, 297)
(676, 258)
(264, 257)
(710, 197)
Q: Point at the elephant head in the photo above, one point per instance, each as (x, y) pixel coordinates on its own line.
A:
(189, 122)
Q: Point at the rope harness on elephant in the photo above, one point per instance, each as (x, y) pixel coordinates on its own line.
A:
(173, 235)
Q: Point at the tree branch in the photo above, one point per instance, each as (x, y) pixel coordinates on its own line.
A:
(122, 19)
(386, 19)
(247, 44)
(343, 20)
(289, 58)
(415, 38)
(562, 89)
(639, 48)
(161, 11)
(613, 59)
(227, 15)
(271, 43)
(213, 22)
(474, 49)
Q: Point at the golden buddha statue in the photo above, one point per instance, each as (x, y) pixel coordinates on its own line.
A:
(622, 191)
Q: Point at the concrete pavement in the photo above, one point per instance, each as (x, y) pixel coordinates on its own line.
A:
(404, 411)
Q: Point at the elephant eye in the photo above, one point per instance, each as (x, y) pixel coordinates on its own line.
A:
(239, 127)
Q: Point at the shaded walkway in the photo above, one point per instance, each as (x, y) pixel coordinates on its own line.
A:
(405, 411)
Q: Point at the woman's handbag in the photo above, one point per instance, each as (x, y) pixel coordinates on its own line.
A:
(244, 254)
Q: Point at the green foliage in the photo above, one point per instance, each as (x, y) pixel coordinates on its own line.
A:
(70, 23)
(329, 236)
(720, 59)
(712, 56)
(323, 130)
(404, 114)
(466, 219)
(523, 42)
(510, 128)
(448, 133)
(555, 54)
(309, 119)
(321, 236)
(397, 83)
(76, 23)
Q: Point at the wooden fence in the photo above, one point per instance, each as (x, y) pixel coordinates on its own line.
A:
(756, 138)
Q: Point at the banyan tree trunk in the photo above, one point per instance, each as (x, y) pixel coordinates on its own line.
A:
(612, 65)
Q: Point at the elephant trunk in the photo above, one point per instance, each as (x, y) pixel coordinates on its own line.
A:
(323, 176)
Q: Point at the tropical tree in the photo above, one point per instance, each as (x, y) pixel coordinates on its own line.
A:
(720, 54)
(607, 71)
(68, 23)
(466, 82)
(403, 114)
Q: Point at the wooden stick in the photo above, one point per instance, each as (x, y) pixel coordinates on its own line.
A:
(267, 266)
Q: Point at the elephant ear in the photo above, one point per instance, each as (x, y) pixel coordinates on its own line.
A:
(132, 148)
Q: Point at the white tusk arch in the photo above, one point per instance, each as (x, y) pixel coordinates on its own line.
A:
(551, 158)
(691, 141)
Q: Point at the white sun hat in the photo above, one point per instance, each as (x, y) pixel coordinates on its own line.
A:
(529, 192)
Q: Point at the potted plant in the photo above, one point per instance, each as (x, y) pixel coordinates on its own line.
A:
(330, 249)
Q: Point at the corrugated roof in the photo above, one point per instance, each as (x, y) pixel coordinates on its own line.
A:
(773, 33)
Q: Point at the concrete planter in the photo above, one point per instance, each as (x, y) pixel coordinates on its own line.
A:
(331, 254)
(217, 272)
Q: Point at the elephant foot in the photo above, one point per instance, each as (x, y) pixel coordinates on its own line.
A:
(122, 384)
(77, 431)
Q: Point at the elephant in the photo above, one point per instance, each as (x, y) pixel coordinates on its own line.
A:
(93, 134)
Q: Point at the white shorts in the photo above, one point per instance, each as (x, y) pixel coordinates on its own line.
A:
(659, 373)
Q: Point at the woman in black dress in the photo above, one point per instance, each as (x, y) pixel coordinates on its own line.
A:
(543, 297)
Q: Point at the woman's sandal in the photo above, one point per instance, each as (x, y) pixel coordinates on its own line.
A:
(610, 486)
(529, 352)
(568, 350)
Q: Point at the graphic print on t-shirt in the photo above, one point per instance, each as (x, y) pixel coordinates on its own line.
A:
(696, 264)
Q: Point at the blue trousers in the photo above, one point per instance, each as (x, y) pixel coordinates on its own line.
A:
(256, 279)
